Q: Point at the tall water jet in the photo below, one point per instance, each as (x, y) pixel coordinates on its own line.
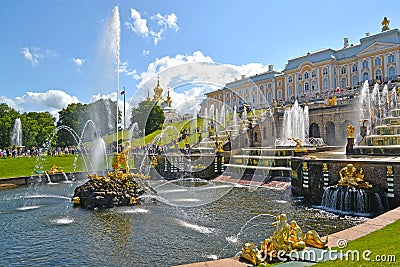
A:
(295, 123)
(16, 133)
(110, 53)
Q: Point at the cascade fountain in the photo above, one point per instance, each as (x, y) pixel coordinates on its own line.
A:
(16, 133)
(352, 195)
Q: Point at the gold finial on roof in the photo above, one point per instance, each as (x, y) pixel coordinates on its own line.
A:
(385, 24)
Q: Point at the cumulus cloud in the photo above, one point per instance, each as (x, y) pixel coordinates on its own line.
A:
(146, 52)
(141, 27)
(52, 101)
(34, 55)
(189, 77)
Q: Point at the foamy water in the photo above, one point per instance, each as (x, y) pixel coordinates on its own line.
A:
(196, 227)
(28, 208)
(62, 221)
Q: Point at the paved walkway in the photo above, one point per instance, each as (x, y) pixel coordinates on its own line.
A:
(347, 235)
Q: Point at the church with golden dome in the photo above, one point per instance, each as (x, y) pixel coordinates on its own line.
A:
(164, 103)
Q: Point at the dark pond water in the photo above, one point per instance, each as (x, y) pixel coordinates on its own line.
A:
(187, 222)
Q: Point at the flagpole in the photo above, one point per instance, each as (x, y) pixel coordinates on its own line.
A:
(124, 109)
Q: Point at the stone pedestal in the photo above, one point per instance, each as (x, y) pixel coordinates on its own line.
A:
(350, 145)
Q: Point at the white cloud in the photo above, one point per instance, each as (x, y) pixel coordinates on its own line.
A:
(167, 21)
(34, 55)
(146, 52)
(189, 77)
(78, 62)
(140, 25)
(112, 96)
(52, 101)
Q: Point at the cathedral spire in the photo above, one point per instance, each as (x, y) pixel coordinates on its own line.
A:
(148, 94)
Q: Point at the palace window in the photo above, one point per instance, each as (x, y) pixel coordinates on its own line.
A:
(392, 73)
(325, 71)
(378, 61)
(325, 83)
(365, 76)
(290, 79)
(269, 85)
(314, 73)
(343, 82)
(279, 94)
(355, 80)
(262, 98)
(306, 87)
(391, 58)
(314, 85)
(343, 70)
(306, 75)
(378, 74)
(365, 64)
(261, 87)
(269, 96)
(279, 84)
(290, 90)
(299, 89)
(354, 68)
(299, 77)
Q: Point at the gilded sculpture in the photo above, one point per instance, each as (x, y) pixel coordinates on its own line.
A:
(286, 238)
(298, 143)
(350, 131)
(350, 177)
(385, 24)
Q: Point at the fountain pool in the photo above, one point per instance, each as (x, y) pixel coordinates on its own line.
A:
(40, 226)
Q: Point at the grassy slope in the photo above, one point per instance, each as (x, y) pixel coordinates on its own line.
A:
(149, 138)
(25, 166)
(382, 242)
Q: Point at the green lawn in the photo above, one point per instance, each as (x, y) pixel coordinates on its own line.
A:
(380, 245)
(25, 166)
(169, 135)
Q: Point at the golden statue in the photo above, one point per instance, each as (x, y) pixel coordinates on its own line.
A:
(385, 24)
(53, 170)
(296, 236)
(251, 253)
(325, 167)
(350, 131)
(305, 166)
(187, 140)
(285, 238)
(154, 162)
(350, 177)
(313, 239)
(298, 143)
(389, 171)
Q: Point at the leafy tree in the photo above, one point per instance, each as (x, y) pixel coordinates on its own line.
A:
(37, 128)
(76, 116)
(148, 115)
(7, 119)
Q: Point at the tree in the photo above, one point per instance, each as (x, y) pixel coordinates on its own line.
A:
(7, 119)
(38, 128)
(148, 115)
(76, 116)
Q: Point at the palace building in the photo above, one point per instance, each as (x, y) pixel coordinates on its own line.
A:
(317, 75)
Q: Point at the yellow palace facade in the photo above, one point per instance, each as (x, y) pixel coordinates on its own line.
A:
(318, 74)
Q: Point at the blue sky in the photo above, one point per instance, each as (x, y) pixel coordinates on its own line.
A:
(50, 49)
